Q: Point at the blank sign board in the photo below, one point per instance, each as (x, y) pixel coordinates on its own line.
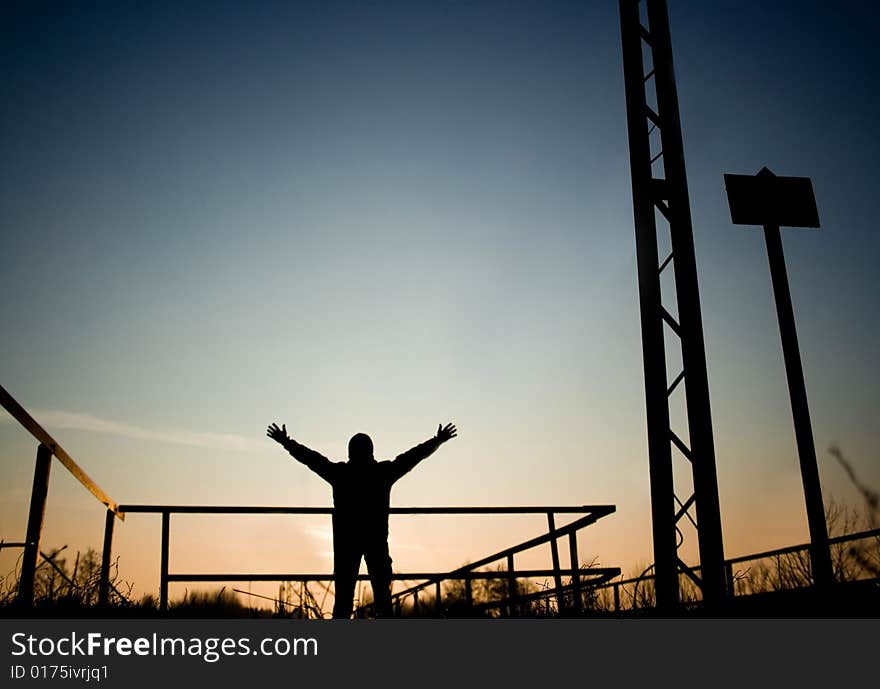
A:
(765, 199)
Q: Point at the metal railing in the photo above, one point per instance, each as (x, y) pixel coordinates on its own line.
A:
(48, 447)
(467, 573)
(581, 580)
(629, 587)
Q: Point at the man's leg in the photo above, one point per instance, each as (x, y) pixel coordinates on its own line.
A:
(346, 562)
(379, 567)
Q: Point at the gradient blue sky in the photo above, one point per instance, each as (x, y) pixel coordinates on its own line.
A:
(379, 216)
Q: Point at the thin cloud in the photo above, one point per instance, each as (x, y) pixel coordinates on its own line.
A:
(324, 536)
(64, 420)
(320, 533)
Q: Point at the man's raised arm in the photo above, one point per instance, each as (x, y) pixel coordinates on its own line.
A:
(315, 461)
(405, 462)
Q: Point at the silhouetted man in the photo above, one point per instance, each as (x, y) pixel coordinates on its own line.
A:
(361, 498)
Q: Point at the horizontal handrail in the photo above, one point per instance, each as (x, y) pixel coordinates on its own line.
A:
(531, 543)
(871, 533)
(13, 544)
(30, 424)
(454, 575)
(591, 513)
(805, 546)
(603, 576)
(467, 571)
(598, 510)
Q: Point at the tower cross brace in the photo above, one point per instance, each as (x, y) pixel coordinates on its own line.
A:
(660, 198)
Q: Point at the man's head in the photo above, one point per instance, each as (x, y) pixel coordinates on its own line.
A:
(360, 448)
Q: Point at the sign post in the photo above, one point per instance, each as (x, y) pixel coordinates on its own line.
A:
(771, 201)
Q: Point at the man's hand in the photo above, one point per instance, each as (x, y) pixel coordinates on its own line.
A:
(446, 432)
(279, 435)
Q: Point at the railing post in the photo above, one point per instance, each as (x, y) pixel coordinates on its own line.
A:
(728, 573)
(104, 587)
(39, 492)
(415, 603)
(557, 573)
(575, 571)
(438, 600)
(511, 587)
(468, 593)
(616, 588)
(163, 582)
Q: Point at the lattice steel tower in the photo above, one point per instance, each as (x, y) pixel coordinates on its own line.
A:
(661, 204)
